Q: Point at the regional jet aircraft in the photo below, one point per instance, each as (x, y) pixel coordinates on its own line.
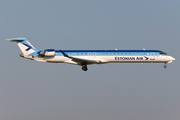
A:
(89, 57)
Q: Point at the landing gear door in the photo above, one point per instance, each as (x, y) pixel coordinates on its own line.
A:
(152, 56)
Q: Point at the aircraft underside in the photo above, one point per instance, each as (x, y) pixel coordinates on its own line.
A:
(102, 60)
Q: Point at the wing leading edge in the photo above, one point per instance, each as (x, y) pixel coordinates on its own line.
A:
(81, 61)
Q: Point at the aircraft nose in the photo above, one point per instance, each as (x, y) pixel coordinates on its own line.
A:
(173, 59)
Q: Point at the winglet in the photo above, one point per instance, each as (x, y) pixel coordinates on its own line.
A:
(65, 55)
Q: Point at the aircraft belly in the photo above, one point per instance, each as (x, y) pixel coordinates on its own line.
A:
(108, 59)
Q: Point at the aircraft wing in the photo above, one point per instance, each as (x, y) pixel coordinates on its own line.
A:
(81, 61)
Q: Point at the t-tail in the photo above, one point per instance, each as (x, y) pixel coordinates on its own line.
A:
(27, 49)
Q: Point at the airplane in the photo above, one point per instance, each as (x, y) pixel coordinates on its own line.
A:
(89, 57)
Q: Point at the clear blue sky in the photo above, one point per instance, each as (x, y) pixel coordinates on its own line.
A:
(31, 90)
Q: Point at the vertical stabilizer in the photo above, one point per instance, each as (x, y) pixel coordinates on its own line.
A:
(24, 45)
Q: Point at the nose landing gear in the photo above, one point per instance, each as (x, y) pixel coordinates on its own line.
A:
(165, 65)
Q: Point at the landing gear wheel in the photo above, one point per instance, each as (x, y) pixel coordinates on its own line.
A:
(165, 66)
(84, 68)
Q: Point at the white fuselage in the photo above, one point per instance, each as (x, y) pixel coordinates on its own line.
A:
(108, 57)
(88, 57)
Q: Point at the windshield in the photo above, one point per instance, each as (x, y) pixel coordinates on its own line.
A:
(162, 53)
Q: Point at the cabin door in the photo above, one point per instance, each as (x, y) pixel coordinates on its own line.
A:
(152, 56)
(92, 55)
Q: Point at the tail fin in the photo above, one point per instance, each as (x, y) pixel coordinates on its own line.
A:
(24, 45)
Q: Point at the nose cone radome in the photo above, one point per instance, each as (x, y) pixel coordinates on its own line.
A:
(173, 59)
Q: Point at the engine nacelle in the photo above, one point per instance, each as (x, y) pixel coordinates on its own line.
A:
(48, 53)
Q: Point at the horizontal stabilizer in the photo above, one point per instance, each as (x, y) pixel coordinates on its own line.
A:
(17, 39)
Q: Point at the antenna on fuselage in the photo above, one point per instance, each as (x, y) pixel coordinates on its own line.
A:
(144, 49)
(116, 49)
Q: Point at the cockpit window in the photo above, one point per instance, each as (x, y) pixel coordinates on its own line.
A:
(162, 53)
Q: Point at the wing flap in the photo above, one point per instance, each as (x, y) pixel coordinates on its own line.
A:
(84, 61)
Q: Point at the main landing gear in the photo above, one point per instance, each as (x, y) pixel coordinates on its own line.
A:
(84, 68)
(165, 65)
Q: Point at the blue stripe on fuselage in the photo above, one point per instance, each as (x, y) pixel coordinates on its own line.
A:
(109, 52)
